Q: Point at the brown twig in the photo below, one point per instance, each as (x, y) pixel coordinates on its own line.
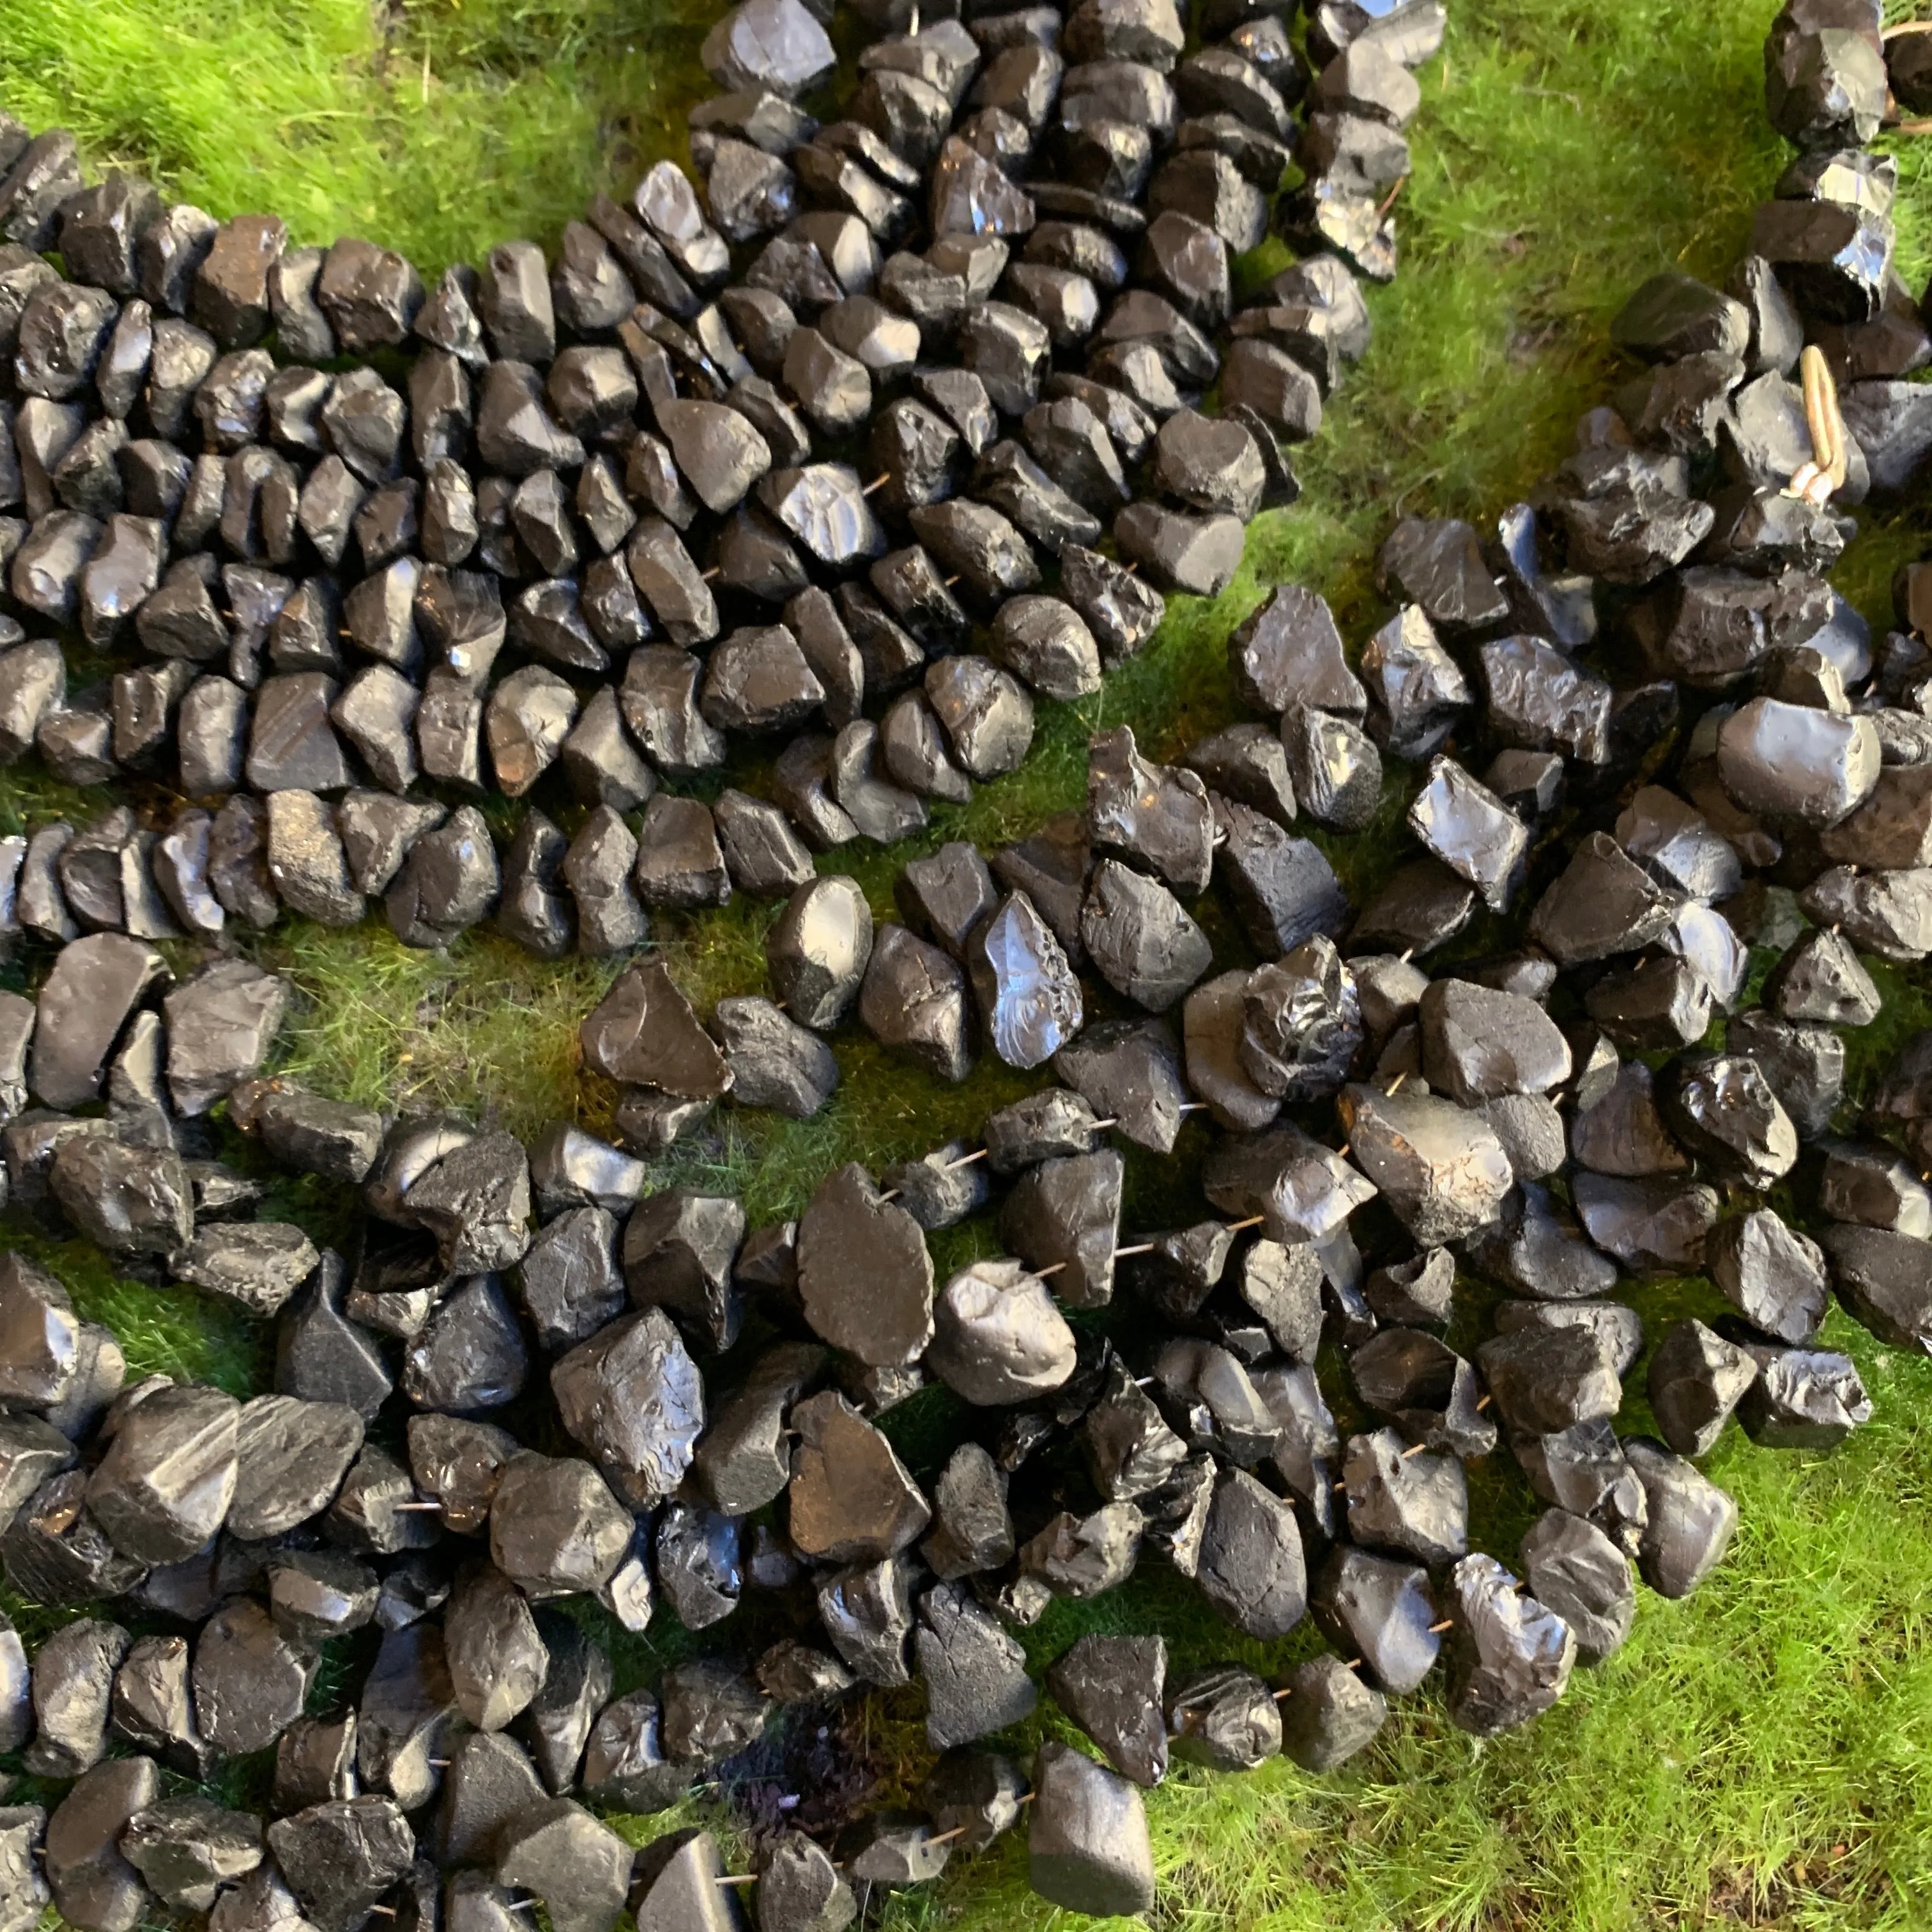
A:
(1813, 482)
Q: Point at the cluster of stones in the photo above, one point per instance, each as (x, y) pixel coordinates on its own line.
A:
(998, 289)
(1689, 749)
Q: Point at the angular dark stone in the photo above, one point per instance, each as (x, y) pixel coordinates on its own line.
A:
(1337, 771)
(1471, 830)
(321, 1357)
(864, 1272)
(679, 1247)
(800, 1889)
(1065, 1214)
(555, 1527)
(291, 1458)
(976, 1675)
(91, 990)
(1251, 1567)
(94, 1886)
(1154, 814)
(579, 1868)
(914, 1001)
(169, 1476)
(1772, 1274)
(643, 1033)
(1575, 1570)
(496, 1658)
(1442, 1170)
(1301, 1023)
(1604, 904)
(1284, 889)
(1417, 1505)
(1691, 1520)
(1139, 939)
(491, 1782)
(867, 1612)
(250, 1682)
(73, 1680)
(1088, 1848)
(1510, 1658)
(1585, 1471)
(1225, 1717)
(458, 1463)
(1878, 1275)
(1722, 1109)
(187, 1848)
(1329, 1714)
(1478, 1044)
(1129, 1072)
(151, 1707)
(817, 952)
(624, 1762)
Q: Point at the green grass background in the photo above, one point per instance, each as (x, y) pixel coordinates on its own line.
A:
(1760, 1755)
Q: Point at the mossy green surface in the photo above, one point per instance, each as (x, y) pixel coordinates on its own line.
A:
(1760, 1754)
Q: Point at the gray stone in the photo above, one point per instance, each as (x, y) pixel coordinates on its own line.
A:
(1064, 1215)
(1139, 939)
(1329, 1714)
(1225, 1717)
(1877, 1273)
(1696, 1379)
(1029, 1000)
(1771, 1273)
(1575, 1570)
(24, 1893)
(1251, 1568)
(491, 1783)
(73, 1682)
(291, 1456)
(1120, 609)
(1796, 764)
(187, 1848)
(496, 1658)
(643, 1034)
(940, 1189)
(314, 1595)
(1301, 1025)
(555, 1527)
(169, 1477)
(341, 1856)
(1284, 889)
(1478, 1044)
(1088, 1848)
(624, 1761)
(800, 1890)
(1417, 1505)
(699, 1564)
(632, 1396)
(250, 1682)
(1129, 1072)
(1471, 830)
(94, 1886)
(1442, 1170)
(1044, 642)
(90, 991)
(976, 1674)
(1691, 1520)
(1510, 1658)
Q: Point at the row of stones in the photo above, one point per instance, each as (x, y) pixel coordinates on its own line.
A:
(724, 425)
(1432, 1163)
